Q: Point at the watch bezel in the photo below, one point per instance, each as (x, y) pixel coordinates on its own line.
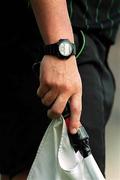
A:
(73, 52)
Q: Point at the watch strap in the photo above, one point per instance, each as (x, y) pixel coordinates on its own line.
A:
(50, 49)
(53, 49)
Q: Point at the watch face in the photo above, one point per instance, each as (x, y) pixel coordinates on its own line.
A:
(65, 48)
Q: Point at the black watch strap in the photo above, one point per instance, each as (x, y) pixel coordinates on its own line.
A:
(53, 49)
(50, 49)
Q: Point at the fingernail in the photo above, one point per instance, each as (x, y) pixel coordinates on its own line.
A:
(73, 131)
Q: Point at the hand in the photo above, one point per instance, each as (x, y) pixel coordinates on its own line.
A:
(59, 82)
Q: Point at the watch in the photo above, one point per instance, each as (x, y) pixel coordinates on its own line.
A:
(62, 49)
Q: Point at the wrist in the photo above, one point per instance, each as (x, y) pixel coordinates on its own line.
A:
(63, 49)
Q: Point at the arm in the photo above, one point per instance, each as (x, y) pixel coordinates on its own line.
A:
(53, 20)
(59, 80)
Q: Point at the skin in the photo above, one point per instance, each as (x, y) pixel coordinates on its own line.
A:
(59, 80)
(54, 24)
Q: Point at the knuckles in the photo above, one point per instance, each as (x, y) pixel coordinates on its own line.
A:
(60, 86)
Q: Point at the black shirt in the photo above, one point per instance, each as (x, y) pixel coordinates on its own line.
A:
(102, 16)
(17, 19)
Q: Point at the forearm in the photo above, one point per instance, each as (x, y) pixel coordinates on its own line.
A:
(59, 80)
(53, 20)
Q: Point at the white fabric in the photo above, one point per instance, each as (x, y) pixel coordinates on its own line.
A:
(56, 159)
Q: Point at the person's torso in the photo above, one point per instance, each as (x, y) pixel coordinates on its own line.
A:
(101, 15)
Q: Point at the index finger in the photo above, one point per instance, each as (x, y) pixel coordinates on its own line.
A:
(75, 113)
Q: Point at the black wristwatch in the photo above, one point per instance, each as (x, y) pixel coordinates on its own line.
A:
(62, 49)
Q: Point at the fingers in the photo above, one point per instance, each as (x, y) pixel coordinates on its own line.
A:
(53, 96)
(49, 97)
(59, 102)
(58, 106)
(75, 108)
(42, 90)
